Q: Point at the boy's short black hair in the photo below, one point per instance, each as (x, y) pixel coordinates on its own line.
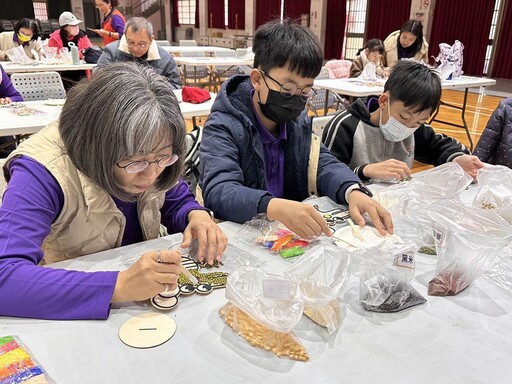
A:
(277, 44)
(415, 85)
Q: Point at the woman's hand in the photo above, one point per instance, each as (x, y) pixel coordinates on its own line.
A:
(359, 203)
(303, 219)
(212, 241)
(153, 273)
(389, 169)
(5, 100)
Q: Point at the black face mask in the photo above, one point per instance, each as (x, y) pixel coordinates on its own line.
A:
(281, 109)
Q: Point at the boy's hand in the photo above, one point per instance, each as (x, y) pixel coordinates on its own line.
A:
(359, 203)
(303, 219)
(389, 169)
(470, 164)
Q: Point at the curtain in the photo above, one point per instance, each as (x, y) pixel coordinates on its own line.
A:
(216, 14)
(502, 60)
(56, 7)
(468, 21)
(384, 17)
(196, 24)
(294, 8)
(175, 16)
(236, 14)
(267, 10)
(14, 10)
(335, 28)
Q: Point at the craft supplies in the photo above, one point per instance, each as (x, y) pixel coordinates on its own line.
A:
(18, 365)
(147, 330)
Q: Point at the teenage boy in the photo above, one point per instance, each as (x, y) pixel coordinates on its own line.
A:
(380, 137)
(257, 141)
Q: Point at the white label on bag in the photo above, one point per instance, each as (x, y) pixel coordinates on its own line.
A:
(276, 289)
(438, 234)
(405, 260)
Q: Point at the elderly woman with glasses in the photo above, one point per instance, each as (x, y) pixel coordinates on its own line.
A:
(106, 174)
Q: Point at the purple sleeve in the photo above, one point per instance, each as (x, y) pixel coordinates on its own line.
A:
(179, 201)
(7, 89)
(118, 24)
(31, 202)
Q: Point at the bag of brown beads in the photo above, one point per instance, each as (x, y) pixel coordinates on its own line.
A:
(263, 309)
(467, 240)
(321, 274)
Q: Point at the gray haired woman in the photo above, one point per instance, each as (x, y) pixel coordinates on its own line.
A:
(105, 175)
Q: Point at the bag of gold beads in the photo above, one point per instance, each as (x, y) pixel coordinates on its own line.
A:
(467, 240)
(263, 309)
(321, 274)
(495, 182)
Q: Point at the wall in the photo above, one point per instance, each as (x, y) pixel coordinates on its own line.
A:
(423, 10)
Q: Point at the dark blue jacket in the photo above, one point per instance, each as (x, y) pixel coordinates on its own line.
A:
(495, 145)
(233, 162)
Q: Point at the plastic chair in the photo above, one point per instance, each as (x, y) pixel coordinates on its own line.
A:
(318, 102)
(6, 26)
(45, 29)
(188, 43)
(163, 43)
(39, 85)
(196, 75)
(318, 124)
(222, 72)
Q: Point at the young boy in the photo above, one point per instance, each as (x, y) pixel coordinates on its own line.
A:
(380, 138)
(257, 140)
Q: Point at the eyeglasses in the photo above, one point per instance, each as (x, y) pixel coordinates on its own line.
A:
(139, 166)
(289, 89)
(132, 44)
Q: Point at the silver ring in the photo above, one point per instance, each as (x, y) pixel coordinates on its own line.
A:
(158, 259)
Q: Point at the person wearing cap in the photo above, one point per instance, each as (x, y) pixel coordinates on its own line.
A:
(25, 34)
(138, 44)
(69, 32)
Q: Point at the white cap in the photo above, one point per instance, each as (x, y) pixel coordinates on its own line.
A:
(67, 18)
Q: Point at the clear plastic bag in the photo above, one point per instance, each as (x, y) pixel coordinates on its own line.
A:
(495, 190)
(263, 309)
(274, 237)
(466, 240)
(321, 274)
(17, 55)
(500, 271)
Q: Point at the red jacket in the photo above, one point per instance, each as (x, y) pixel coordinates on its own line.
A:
(56, 41)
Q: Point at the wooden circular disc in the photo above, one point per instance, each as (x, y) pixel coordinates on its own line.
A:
(147, 330)
(164, 303)
(174, 292)
(204, 289)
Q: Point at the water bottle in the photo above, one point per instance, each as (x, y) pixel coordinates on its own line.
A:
(74, 53)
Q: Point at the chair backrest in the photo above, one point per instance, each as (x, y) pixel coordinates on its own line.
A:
(189, 33)
(241, 52)
(318, 124)
(46, 28)
(54, 24)
(188, 43)
(39, 85)
(163, 43)
(225, 71)
(338, 69)
(200, 71)
(222, 53)
(318, 102)
(6, 25)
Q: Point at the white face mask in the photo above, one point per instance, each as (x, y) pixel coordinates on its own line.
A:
(394, 130)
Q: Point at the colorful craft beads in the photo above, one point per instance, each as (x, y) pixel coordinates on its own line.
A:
(281, 242)
(291, 252)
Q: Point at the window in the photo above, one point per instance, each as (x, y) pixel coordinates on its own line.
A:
(492, 35)
(356, 22)
(40, 10)
(187, 11)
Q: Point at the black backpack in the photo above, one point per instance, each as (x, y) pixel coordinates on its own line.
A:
(92, 54)
(191, 172)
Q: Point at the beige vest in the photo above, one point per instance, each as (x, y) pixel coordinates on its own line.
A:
(390, 56)
(89, 221)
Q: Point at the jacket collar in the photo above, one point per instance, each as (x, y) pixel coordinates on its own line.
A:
(152, 54)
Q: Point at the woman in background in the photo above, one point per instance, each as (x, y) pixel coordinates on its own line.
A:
(113, 21)
(407, 43)
(25, 34)
(69, 32)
